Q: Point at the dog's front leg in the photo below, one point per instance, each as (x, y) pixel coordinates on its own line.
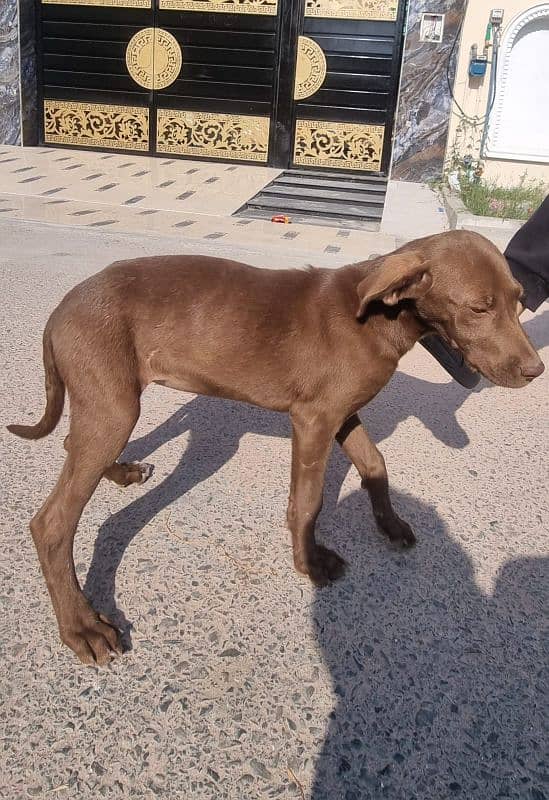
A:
(312, 438)
(370, 464)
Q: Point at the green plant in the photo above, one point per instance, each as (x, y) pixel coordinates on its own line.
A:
(466, 144)
(492, 199)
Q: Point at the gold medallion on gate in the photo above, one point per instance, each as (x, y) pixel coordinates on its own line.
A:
(153, 58)
(310, 70)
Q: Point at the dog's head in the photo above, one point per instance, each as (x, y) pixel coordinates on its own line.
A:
(461, 287)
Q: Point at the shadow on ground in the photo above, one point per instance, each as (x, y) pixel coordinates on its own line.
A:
(441, 691)
(439, 688)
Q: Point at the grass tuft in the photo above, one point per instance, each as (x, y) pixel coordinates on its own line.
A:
(491, 199)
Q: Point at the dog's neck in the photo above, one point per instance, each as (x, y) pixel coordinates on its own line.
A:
(400, 325)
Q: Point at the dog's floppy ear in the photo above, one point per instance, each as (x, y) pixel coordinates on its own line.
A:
(400, 276)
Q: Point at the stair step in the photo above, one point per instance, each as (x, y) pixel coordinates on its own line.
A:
(319, 198)
(344, 174)
(324, 194)
(321, 220)
(283, 204)
(329, 183)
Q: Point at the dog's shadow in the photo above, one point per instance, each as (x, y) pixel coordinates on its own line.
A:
(215, 428)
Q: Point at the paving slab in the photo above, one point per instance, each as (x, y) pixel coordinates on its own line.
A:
(419, 675)
(412, 210)
(287, 241)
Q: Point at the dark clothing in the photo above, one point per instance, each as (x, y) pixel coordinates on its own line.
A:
(528, 257)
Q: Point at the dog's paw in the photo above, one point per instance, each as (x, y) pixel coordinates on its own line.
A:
(398, 531)
(93, 638)
(145, 470)
(325, 566)
(124, 474)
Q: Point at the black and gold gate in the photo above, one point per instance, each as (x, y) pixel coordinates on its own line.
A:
(311, 83)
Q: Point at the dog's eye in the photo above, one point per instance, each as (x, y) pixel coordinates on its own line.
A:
(484, 305)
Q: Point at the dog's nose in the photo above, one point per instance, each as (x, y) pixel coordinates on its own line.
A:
(534, 369)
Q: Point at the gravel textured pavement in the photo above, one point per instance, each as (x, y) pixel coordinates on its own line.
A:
(421, 675)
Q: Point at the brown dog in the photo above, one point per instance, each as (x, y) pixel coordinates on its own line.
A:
(317, 343)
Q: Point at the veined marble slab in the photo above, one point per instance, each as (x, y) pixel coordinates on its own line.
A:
(18, 117)
(9, 74)
(424, 108)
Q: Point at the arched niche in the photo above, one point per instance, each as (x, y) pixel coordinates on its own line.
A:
(519, 122)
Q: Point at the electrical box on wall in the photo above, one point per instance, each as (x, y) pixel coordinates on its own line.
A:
(431, 28)
(478, 66)
(496, 16)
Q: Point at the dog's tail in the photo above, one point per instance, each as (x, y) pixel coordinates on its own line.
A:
(55, 397)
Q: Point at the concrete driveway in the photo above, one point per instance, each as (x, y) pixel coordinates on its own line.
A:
(421, 675)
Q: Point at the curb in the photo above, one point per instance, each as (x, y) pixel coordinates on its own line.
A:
(459, 217)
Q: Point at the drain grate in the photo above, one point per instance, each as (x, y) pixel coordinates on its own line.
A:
(315, 198)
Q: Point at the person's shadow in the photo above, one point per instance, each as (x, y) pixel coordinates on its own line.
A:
(440, 690)
(436, 685)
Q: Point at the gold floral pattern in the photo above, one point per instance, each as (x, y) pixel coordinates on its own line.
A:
(95, 125)
(353, 9)
(338, 145)
(194, 133)
(222, 6)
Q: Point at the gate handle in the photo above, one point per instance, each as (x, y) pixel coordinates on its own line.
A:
(167, 58)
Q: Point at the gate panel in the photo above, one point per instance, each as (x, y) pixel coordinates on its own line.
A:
(220, 105)
(88, 97)
(344, 116)
(215, 78)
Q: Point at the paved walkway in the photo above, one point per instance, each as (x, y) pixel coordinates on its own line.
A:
(160, 196)
(140, 194)
(96, 178)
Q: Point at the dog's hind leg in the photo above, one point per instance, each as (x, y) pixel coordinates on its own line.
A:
(370, 464)
(123, 473)
(98, 433)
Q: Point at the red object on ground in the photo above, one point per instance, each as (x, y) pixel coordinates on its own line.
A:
(281, 218)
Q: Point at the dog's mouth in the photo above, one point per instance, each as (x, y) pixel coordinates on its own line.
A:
(507, 378)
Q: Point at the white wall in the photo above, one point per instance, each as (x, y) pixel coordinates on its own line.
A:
(518, 135)
(519, 123)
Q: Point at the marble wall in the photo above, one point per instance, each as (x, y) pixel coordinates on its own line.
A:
(27, 44)
(10, 109)
(18, 118)
(423, 114)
